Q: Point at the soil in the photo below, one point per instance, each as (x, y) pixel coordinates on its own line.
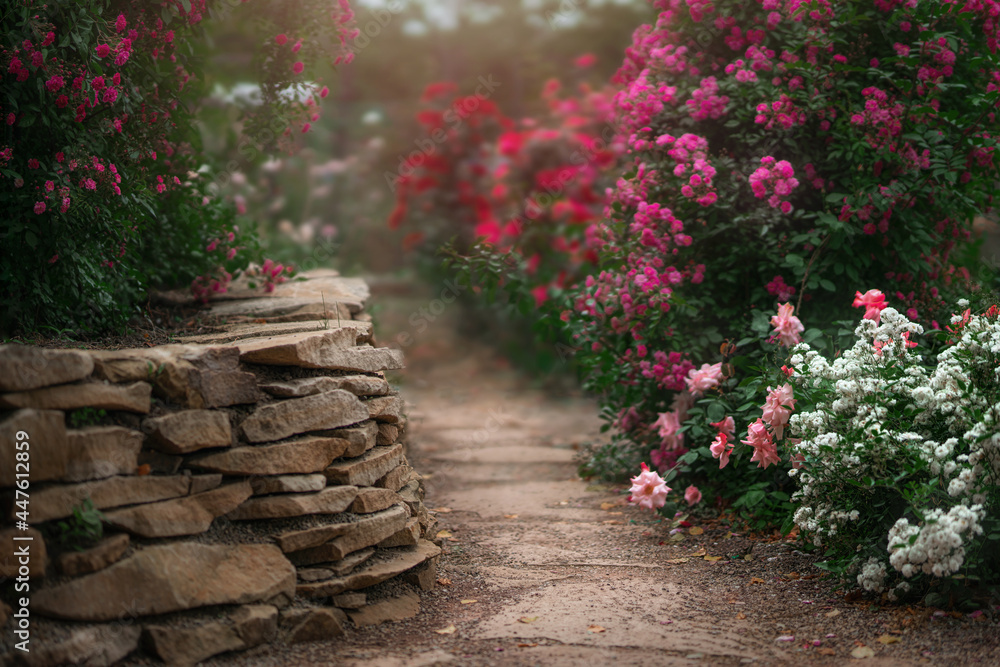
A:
(541, 567)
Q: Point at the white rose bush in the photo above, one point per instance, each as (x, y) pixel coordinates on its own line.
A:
(895, 451)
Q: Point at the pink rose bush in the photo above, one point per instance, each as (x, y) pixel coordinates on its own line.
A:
(771, 172)
(99, 158)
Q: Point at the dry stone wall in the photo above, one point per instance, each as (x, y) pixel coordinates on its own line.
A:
(253, 486)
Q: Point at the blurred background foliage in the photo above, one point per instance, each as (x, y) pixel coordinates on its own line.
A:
(327, 205)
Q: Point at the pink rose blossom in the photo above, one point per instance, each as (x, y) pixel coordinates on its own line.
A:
(281, 39)
(667, 425)
(727, 426)
(775, 411)
(874, 302)
(758, 437)
(103, 50)
(787, 327)
(298, 67)
(121, 23)
(701, 380)
(692, 495)
(648, 491)
(39, 207)
(721, 448)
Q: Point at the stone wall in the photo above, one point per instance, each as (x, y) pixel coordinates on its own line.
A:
(253, 484)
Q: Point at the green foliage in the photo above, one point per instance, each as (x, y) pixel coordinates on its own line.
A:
(82, 530)
(86, 417)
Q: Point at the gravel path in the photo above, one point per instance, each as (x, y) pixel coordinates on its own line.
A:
(542, 568)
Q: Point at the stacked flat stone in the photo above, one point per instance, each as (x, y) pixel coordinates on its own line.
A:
(240, 509)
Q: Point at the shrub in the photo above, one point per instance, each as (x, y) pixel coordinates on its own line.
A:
(784, 153)
(99, 155)
(897, 455)
(514, 203)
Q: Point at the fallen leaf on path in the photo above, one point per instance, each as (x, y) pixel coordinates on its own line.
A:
(826, 651)
(607, 506)
(712, 559)
(748, 557)
(831, 614)
(791, 576)
(469, 601)
(510, 516)
(450, 630)
(444, 581)
(453, 539)
(612, 522)
(888, 639)
(527, 619)
(862, 652)
(527, 645)
(616, 513)
(594, 628)
(741, 616)
(676, 537)
(442, 510)
(699, 553)
(696, 530)
(444, 533)
(756, 580)
(677, 561)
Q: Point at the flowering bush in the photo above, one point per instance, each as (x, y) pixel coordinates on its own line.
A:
(100, 165)
(530, 191)
(782, 152)
(896, 455)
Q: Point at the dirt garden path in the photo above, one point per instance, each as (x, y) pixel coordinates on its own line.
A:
(541, 568)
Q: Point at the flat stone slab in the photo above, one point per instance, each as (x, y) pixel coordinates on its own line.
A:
(304, 350)
(339, 569)
(304, 455)
(92, 645)
(365, 359)
(312, 624)
(387, 409)
(331, 500)
(396, 478)
(392, 609)
(107, 552)
(376, 573)
(387, 433)
(45, 429)
(334, 349)
(299, 415)
(367, 532)
(171, 577)
(133, 397)
(190, 515)
(366, 469)
(188, 645)
(288, 484)
(98, 452)
(189, 430)
(361, 438)
(371, 499)
(26, 367)
(194, 376)
(238, 332)
(359, 385)
(407, 537)
(57, 502)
